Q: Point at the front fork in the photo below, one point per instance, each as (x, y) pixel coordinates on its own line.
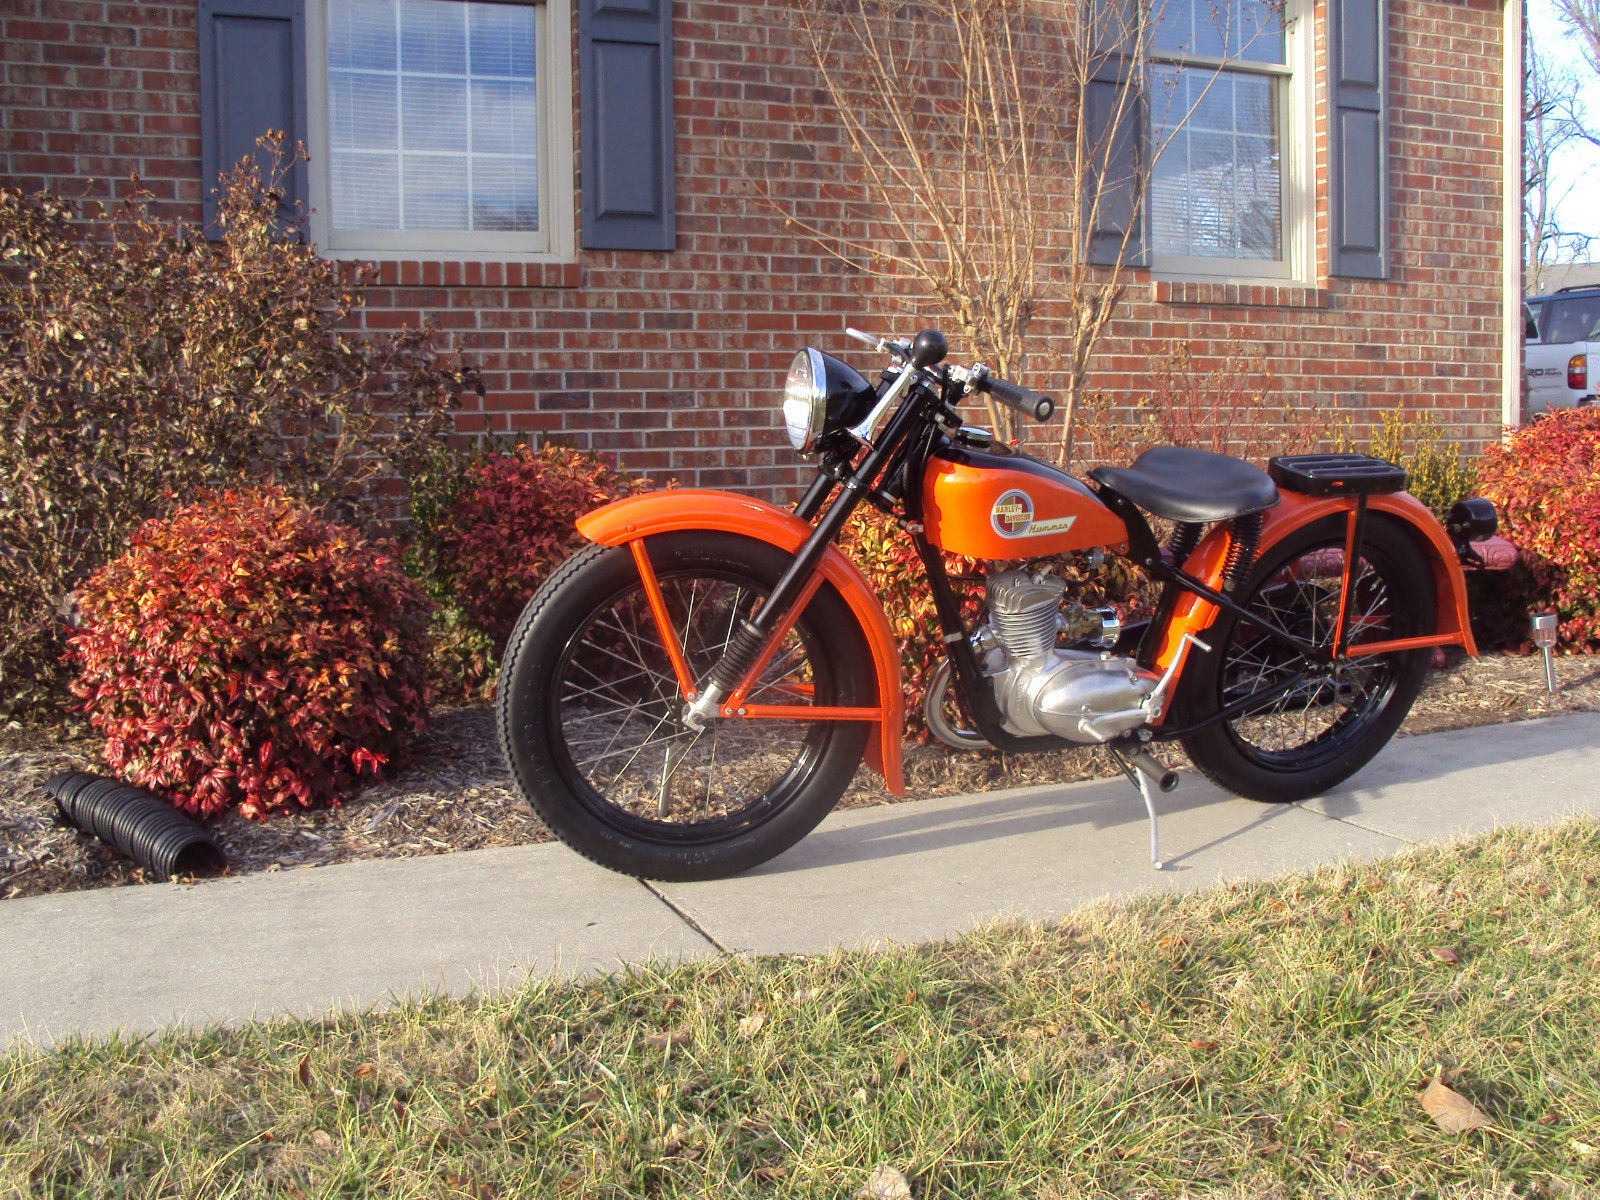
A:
(758, 636)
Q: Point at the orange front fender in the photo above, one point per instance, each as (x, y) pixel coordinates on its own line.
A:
(1295, 511)
(628, 520)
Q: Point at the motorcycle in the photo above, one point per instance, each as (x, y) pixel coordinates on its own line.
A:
(690, 694)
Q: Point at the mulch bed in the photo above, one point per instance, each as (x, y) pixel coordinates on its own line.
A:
(455, 794)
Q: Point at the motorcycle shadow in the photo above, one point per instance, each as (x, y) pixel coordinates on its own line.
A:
(1037, 819)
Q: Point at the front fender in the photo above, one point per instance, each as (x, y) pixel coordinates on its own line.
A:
(1295, 511)
(634, 517)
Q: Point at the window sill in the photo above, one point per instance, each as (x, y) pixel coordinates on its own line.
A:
(408, 272)
(1241, 295)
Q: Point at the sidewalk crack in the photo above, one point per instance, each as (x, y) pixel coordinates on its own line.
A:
(683, 915)
(1326, 816)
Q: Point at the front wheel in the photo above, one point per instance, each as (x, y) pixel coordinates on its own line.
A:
(590, 711)
(1327, 726)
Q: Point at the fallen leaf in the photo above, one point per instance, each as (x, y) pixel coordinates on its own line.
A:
(767, 1174)
(1445, 954)
(303, 1071)
(667, 1039)
(751, 1025)
(321, 1140)
(1451, 1111)
(885, 1183)
(1204, 1046)
(366, 1070)
(1584, 1148)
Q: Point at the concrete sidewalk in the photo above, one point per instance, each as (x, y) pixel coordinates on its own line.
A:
(305, 942)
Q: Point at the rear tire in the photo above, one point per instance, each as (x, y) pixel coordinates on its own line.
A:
(1322, 731)
(589, 711)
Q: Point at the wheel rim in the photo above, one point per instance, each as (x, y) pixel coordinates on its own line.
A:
(1316, 720)
(616, 715)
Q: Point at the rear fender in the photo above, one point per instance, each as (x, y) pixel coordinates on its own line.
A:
(632, 518)
(1294, 512)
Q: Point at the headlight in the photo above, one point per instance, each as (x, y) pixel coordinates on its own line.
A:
(821, 396)
(805, 399)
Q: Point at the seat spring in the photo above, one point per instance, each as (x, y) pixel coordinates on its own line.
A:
(1183, 541)
(1243, 536)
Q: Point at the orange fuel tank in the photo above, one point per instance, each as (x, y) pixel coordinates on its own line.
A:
(994, 502)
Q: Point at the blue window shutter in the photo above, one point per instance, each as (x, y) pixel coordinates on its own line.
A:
(1358, 138)
(1117, 157)
(252, 79)
(625, 108)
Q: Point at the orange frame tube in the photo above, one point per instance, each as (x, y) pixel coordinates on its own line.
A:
(630, 520)
(1194, 614)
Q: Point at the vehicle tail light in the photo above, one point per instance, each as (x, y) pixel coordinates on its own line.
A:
(1578, 371)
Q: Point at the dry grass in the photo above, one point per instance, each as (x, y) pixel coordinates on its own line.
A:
(456, 794)
(1259, 1040)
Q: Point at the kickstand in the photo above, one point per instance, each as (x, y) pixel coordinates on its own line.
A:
(1141, 780)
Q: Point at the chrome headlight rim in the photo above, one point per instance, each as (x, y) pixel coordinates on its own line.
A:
(805, 400)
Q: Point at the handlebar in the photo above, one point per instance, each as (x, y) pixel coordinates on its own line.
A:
(1028, 403)
(977, 378)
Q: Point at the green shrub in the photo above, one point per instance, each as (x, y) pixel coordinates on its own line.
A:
(245, 653)
(464, 659)
(512, 521)
(141, 364)
(1435, 473)
(1546, 487)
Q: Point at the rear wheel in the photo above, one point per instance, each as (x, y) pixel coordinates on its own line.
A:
(1326, 727)
(590, 711)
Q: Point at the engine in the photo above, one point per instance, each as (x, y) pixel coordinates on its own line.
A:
(1082, 695)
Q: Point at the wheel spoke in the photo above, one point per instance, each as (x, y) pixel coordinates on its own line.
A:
(620, 713)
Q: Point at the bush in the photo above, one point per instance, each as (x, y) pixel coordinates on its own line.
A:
(141, 364)
(889, 561)
(513, 522)
(1544, 483)
(464, 660)
(246, 652)
(1435, 473)
(1226, 408)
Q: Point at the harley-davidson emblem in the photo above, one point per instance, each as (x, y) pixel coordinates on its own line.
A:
(1012, 514)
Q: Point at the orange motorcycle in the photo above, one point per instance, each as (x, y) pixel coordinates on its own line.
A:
(691, 694)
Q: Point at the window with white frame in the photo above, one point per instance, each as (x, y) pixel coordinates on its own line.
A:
(1227, 191)
(440, 128)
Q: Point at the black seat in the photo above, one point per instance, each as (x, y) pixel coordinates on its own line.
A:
(1190, 485)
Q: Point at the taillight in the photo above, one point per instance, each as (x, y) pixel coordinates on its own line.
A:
(1578, 372)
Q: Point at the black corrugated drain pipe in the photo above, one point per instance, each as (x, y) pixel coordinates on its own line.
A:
(150, 831)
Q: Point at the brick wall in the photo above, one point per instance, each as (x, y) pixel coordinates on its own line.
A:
(673, 361)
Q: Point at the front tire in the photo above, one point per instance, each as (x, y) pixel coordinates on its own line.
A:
(1322, 731)
(589, 711)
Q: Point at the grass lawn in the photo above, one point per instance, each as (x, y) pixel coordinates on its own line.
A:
(1257, 1040)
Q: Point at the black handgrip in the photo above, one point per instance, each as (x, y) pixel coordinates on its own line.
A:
(1027, 402)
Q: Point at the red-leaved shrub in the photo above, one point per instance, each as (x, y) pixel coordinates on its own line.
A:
(246, 652)
(1545, 483)
(514, 523)
(889, 561)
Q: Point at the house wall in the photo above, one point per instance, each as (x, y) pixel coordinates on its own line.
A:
(673, 362)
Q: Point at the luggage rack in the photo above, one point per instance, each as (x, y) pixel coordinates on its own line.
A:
(1336, 474)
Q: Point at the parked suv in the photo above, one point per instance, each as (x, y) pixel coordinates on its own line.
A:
(1564, 359)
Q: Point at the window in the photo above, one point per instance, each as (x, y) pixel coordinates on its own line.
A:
(1227, 189)
(440, 127)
